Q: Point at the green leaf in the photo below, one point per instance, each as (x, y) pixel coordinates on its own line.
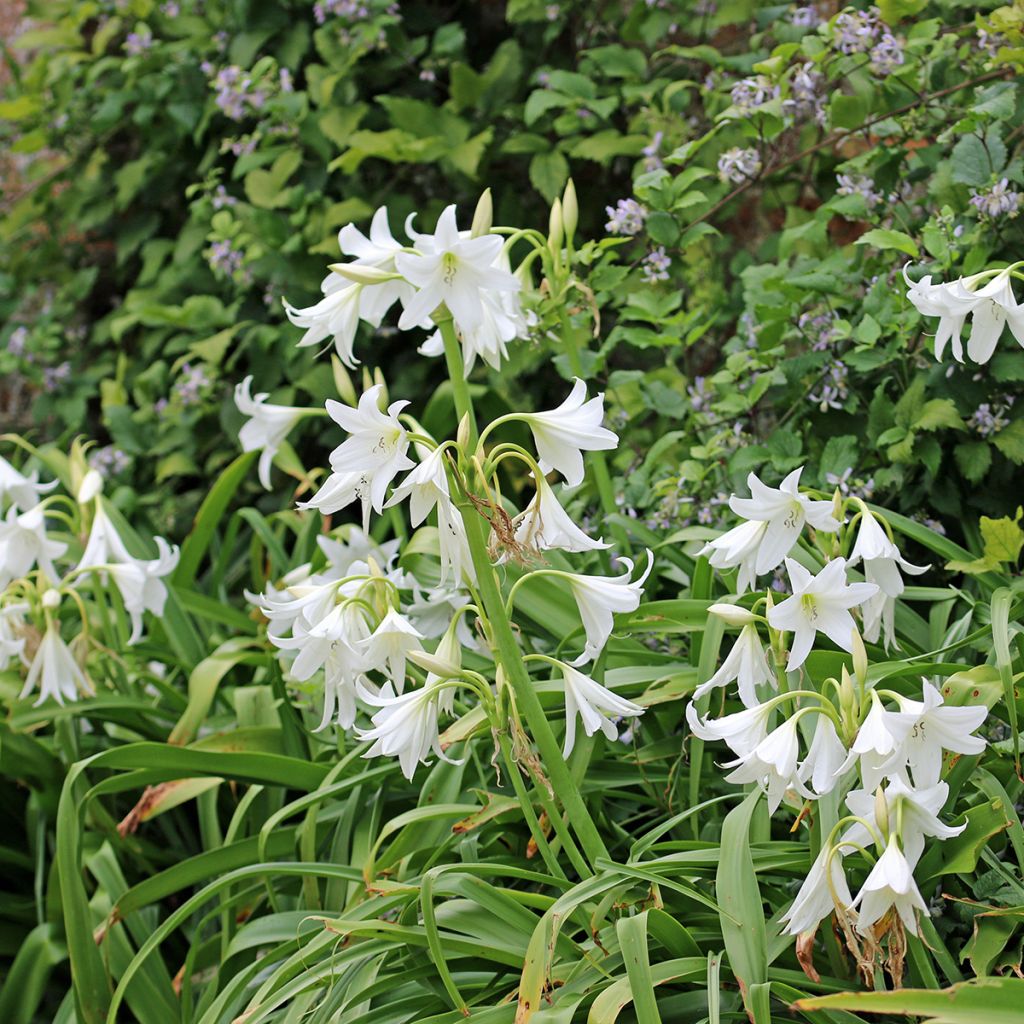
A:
(886, 238)
(632, 935)
(549, 173)
(1010, 441)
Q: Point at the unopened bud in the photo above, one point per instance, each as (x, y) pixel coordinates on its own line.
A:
(556, 228)
(462, 436)
(847, 694)
(92, 485)
(438, 666)
(837, 506)
(733, 614)
(570, 210)
(860, 658)
(483, 216)
(882, 813)
(343, 382)
(51, 599)
(360, 274)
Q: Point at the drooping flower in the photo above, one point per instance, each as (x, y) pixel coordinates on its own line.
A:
(737, 549)
(742, 730)
(140, 582)
(599, 598)
(785, 510)
(825, 758)
(456, 558)
(452, 270)
(23, 490)
(879, 737)
(55, 670)
(824, 889)
(389, 644)
(890, 885)
(267, 426)
(12, 633)
(335, 316)
(545, 525)
(424, 487)
(24, 543)
(746, 663)
(561, 435)
(596, 705)
(819, 603)
(772, 764)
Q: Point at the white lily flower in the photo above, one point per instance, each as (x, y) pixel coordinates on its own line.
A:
(820, 602)
(55, 670)
(424, 486)
(456, 557)
(23, 544)
(338, 491)
(598, 598)
(819, 895)
(879, 737)
(993, 307)
(335, 316)
(375, 450)
(351, 556)
(772, 764)
(140, 582)
(544, 525)
(935, 727)
(267, 427)
(12, 633)
(890, 885)
(596, 705)
(104, 544)
(882, 565)
(747, 664)
(742, 730)
(785, 510)
(406, 726)
(23, 490)
(823, 762)
(389, 644)
(452, 270)
(912, 814)
(561, 435)
(938, 300)
(738, 548)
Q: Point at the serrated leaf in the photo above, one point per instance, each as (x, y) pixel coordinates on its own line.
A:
(887, 238)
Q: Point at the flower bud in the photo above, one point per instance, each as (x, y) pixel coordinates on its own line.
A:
(882, 813)
(556, 228)
(362, 274)
(570, 210)
(51, 599)
(438, 666)
(837, 506)
(91, 487)
(462, 436)
(343, 382)
(847, 694)
(860, 658)
(483, 216)
(733, 614)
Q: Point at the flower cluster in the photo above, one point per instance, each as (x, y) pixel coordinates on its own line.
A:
(739, 165)
(882, 749)
(998, 201)
(626, 217)
(38, 579)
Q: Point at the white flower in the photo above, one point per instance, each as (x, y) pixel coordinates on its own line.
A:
(819, 895)
(562, 435)
(993, 306)
(742, 730)
(335, 316)
(824, 759)
(389, 644)
(772, 764)
(23, 544)
(452, 270)
(890, 884)
(596, 705)
(406, 726)
(90, 488)
(425, 486)
(785, 510)
(821, 602)
(879, 737)
(456, 558)
(737, 547)
(12, 633)
(140, 582)
(747, 664)
(882, 564)
(375, 453)
(545, 525)
(267, 427)
(912, 814)
(938, 300)
(338, 491)
(23, 490)
(104, 544)
(55, 670)
(599, 597)
(936, 727)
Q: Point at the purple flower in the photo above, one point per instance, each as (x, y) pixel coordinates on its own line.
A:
(834, 391)
(16, 341)
(109, 460)
(652, 159)
(859, 185)
(887, 55)
(856, 31)
(139, 41)
(626, 217)
(700, 394)
(225, 259)
(750, 93)
(738, 165)
(998, 201)
(805, 17)
(54, 376)
(188, 389)
(655, 265)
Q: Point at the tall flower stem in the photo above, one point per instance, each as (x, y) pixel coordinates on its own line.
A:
(506, 649)
(457, 376)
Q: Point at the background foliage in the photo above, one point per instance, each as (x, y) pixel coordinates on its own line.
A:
(173, 171)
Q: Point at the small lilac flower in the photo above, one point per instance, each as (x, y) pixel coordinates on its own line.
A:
(160, 406)
(189, 388)
(750, 93)
(16, 341)
(739, 165)
(834, 391)
(139, 41)
(170, 9)
(655, 265)
(805, 17)
(428, 75)
(626, 217)
(998, 201)
(820, 327)
(284, 80)
(652, 159)
(886, 55)
(986, 421)
(859, 185)
(700, 394)
(991, 42)
(222, 198)
(54, 376)
(109, 461)
(805, 99)
(856, 31)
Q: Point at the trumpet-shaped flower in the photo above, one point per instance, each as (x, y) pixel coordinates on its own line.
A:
(824, 889)
(452, 270)
(23, 490)
(425, 486)
(738, 548)
(938, 300)
(12, 633)
(267, 427)
(882, 565)
(55, 670)
(742, 730)
(563, 434)
(824, 759)
(545, 525)
(24, 543)
(599, 598)
(335, 316)
(456, 558)
(878, 741)
(819, 603)
(375, 452)
(595, 704)
(890, 885)
(389, 644)
(140, 582)
(746, 663)
(772, 764)
(785, 510)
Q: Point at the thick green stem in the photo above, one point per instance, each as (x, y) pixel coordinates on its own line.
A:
(457, 377)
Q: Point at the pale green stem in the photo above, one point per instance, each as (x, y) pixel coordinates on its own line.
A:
(457, 377)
